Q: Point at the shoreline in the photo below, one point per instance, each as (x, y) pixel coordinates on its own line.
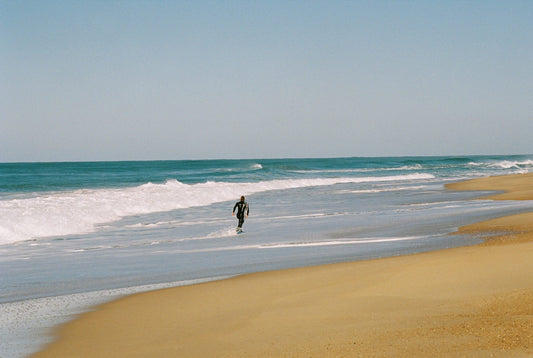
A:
(472, 301)
(507, 229)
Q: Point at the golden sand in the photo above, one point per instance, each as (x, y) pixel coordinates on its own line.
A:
(472, 301)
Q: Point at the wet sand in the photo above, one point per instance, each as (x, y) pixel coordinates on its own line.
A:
(474, 301)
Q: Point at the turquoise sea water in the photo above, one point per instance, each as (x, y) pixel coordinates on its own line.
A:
(75, 234)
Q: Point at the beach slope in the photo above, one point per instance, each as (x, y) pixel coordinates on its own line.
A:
(474, 301)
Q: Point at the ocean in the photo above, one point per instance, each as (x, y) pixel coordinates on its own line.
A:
(73, 235)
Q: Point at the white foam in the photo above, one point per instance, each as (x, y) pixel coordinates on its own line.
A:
(22, 322)
(506, 164)
(342, 242)
(304, 244)
(80, 211)
(362, 170)
(173, 223)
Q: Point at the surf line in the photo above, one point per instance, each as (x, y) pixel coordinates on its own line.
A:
(305, 244)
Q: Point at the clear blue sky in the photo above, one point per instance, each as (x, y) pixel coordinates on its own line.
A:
(121, 80)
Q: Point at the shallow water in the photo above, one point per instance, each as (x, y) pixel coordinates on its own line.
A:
(85, 233)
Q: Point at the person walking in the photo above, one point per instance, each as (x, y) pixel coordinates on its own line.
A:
(242, 211)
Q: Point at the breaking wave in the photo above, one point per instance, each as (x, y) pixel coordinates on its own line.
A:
(80, 211)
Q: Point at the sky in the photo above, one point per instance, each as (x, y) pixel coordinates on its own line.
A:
(149, 80)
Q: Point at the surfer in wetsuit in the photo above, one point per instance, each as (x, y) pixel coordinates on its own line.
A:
(242, 211)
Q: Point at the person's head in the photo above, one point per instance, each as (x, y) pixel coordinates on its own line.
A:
(242, 198)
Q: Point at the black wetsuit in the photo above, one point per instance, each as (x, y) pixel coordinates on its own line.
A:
(242, 208)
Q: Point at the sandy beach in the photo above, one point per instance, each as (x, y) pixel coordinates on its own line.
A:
(474, 301)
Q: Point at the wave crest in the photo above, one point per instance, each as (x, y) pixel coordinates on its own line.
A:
(506, 164)
(80, 211)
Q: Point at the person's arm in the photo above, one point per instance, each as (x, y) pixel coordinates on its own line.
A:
(247, 209)
(234, 207)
